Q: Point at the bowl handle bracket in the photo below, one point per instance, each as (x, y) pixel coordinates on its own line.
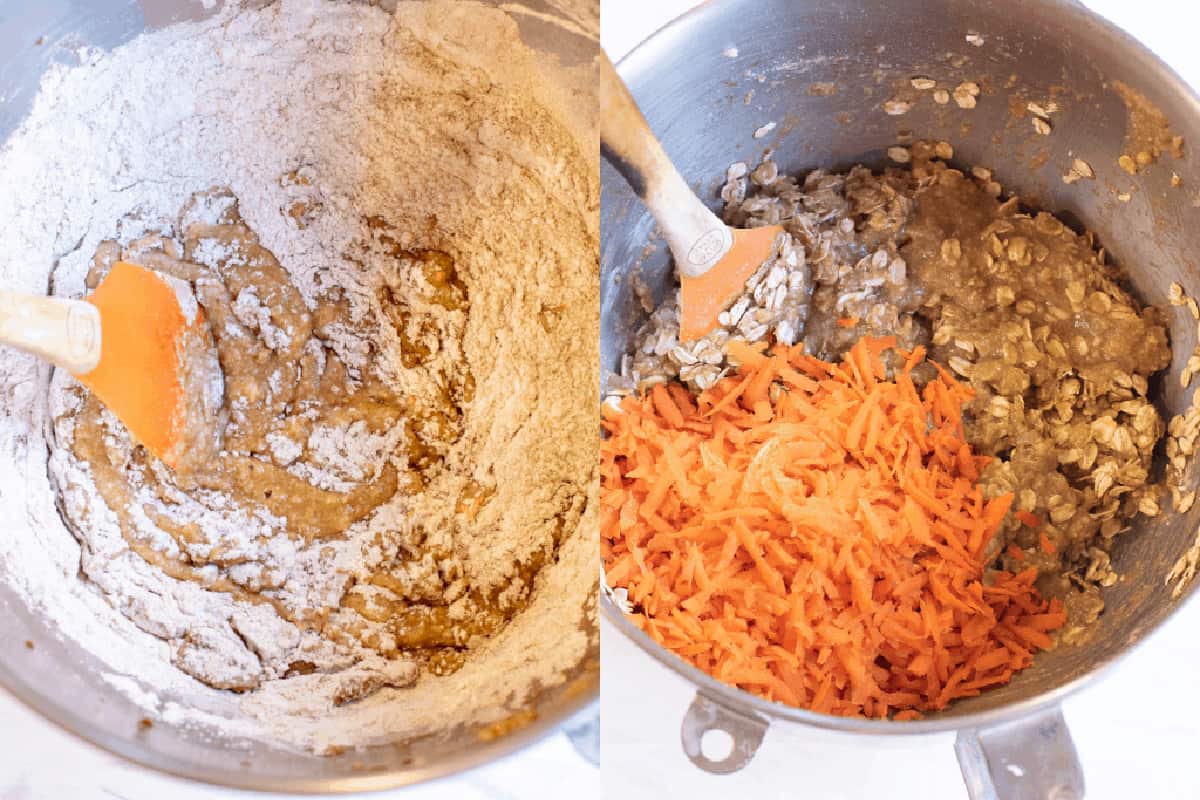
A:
(1032, 758)
(705, 714)
(583, 731)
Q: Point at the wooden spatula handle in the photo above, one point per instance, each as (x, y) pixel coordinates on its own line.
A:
(64, 332)
(697, 237)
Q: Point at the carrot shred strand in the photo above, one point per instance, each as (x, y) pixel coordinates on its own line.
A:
(815, 534)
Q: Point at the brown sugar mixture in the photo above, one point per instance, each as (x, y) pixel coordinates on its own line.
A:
(1148, 133)
(1021, 308)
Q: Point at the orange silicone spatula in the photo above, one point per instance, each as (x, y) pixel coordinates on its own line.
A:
(141, 345)
(714, 260)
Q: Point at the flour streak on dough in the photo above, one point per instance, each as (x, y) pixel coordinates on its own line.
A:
(438, 120)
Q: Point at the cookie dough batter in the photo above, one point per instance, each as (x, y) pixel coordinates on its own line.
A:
(1017, 305)
(390, 222)
(313, 448)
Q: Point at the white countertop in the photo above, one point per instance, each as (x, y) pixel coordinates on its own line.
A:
(1137, 731)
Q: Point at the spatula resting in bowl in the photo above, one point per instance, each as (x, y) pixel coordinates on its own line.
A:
(139, 342)
(714, 260)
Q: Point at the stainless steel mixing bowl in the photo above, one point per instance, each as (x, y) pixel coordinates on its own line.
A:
(710, 79)
(64, 683)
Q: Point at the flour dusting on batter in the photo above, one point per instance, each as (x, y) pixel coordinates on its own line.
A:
(390, 223)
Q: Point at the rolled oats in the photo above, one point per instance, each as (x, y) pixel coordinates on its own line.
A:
(764, 130)
(765, 174)
(1071, 440)
(951, 250)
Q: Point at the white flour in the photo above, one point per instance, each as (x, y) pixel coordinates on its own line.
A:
(115, 147)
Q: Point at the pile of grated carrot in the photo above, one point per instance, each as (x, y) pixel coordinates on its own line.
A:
(814, 533)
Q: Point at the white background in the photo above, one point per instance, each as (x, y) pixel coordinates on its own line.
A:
(1137, 732)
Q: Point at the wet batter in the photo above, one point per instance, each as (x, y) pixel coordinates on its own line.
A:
(312, 447)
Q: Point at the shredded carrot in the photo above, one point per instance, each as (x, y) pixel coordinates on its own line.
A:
(1029, 520)
(847, 322)
(1016, 552)
(1047, 545)
(814, 533)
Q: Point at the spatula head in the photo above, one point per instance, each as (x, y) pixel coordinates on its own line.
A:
(158, 370)
(703, 298)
